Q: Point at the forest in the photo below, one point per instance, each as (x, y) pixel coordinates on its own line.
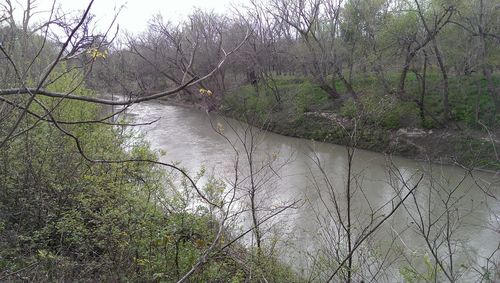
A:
(86, 197)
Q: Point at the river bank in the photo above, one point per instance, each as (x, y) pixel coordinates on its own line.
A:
(442, 146)
(465, 148)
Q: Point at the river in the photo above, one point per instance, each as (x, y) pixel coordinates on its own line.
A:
(186, 136)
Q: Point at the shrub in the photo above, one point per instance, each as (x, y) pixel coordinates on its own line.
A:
(349, 109)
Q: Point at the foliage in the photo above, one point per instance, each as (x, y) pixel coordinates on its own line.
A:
(65, 218)
(298, 96)
(311, 69)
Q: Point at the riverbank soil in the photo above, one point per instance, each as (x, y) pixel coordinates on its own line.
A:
(447, 146)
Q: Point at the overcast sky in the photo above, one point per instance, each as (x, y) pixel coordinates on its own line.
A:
(136, 13)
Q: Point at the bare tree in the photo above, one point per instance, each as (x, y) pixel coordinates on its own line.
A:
(345, 230)
(247, 190)
(412, 42)
(316, 24)
(480, 20)
(439, 216)
(77, 42)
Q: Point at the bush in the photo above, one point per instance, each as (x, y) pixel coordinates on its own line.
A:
(245, 103)
(297, 96)
(349, 109)
(308, 97)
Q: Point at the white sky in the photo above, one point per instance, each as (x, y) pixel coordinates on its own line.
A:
(136, 13)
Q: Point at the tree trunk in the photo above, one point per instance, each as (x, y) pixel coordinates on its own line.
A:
(446, 104)
(423, 89)
(404, 73)
(478, 99)
(330, 90)
(348, 86)
(485, 67)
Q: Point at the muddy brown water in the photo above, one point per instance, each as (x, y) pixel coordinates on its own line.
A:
(186, 136)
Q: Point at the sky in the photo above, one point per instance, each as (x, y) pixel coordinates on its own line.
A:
(136, 13)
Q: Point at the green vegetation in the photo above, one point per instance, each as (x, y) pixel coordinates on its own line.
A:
(84, 198)
(301, 95)
(306, 111)
(297, 96)
(65, 218)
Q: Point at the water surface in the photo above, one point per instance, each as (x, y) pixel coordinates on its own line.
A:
(187, 136)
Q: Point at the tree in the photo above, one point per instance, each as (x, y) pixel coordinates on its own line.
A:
(318, 31)
(345, 230)
(68, 213)
(480, 20)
